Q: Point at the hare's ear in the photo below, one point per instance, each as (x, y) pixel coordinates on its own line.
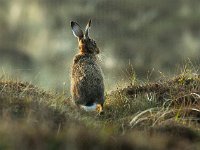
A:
(87, 29)
(76, 29)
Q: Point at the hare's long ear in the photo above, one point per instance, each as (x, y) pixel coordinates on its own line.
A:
(76, 29)
(87, 29)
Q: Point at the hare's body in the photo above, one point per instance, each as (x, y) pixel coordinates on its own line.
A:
(87, 81)
(87, 87)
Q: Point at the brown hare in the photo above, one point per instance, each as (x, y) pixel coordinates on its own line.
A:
(87, 86)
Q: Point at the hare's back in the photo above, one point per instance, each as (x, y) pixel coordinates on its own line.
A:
(88, 71)
(88, 80)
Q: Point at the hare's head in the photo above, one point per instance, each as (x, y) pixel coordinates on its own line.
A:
(86, 44)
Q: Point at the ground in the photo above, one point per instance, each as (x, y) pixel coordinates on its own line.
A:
(159, 115)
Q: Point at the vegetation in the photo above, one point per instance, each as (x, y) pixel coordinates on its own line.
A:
(37, 44)
(158, 115)
(157, 112)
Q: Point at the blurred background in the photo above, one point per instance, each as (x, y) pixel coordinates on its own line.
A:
(37, 45)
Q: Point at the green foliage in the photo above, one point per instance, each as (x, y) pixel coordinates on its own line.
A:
(150, 34)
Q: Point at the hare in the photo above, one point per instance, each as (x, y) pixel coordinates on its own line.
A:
(87, 83)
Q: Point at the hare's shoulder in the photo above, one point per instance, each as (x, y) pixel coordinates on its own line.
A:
(82, 58)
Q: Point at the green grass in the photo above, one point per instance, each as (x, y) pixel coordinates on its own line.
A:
(158, 115)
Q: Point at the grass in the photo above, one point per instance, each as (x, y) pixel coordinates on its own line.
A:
(153, 115)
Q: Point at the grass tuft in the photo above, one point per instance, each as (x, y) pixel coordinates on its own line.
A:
(153, 115)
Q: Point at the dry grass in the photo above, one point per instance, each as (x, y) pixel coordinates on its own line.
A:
(159, 115)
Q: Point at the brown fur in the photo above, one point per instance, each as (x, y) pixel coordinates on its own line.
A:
(87, 85)
(88, 46)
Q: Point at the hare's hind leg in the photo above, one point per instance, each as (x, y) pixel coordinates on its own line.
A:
(99, 109)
